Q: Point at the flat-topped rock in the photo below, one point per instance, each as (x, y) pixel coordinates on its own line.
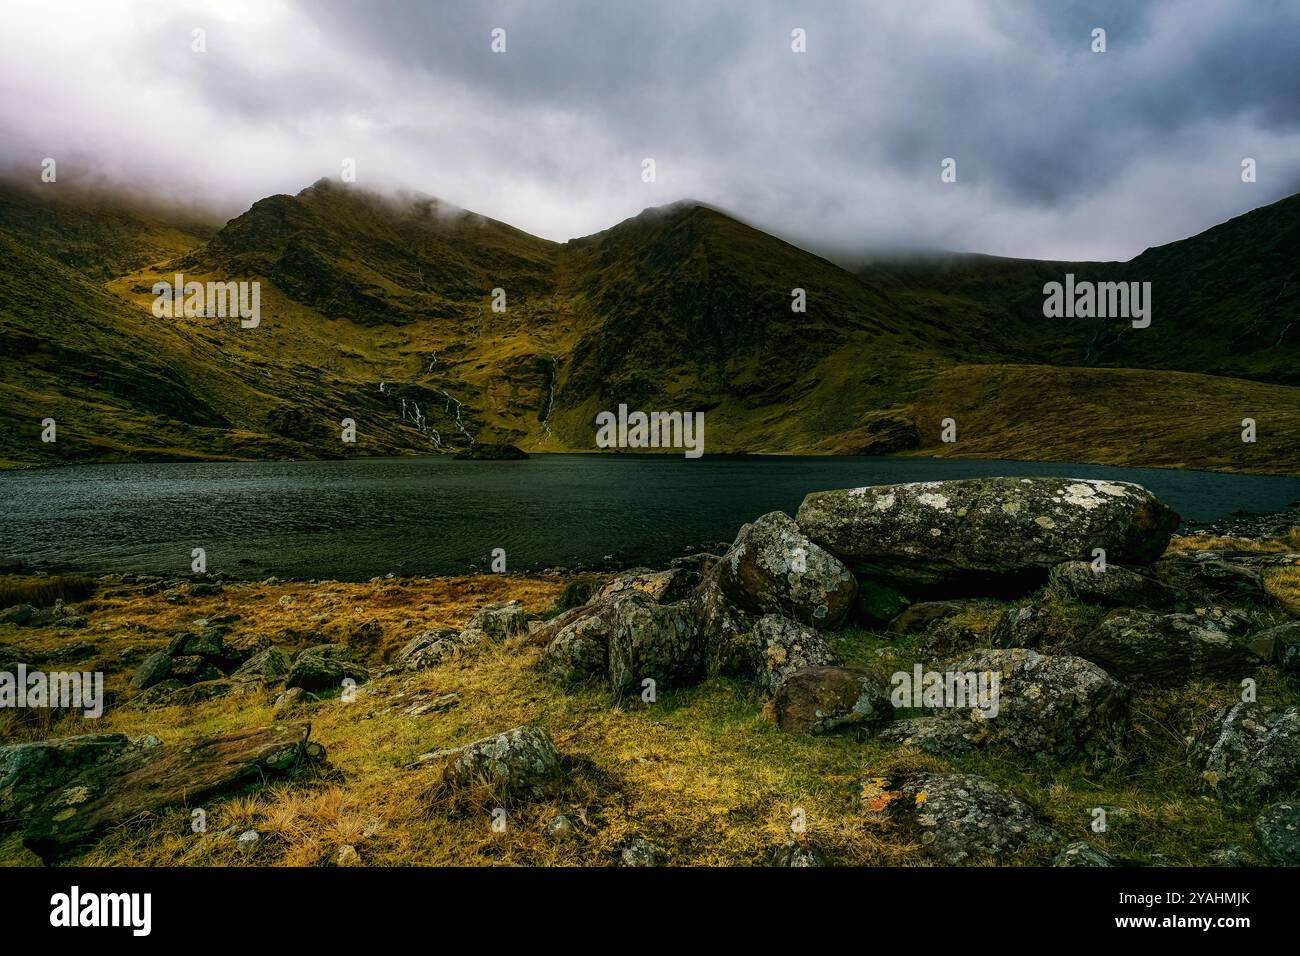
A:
(928, 532)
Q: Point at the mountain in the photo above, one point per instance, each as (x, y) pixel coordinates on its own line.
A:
(381, 310)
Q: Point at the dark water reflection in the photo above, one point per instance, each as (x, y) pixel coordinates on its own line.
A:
(355, 519)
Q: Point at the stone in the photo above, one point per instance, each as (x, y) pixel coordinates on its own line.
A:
(315, 673)
(1114, 587)
(145, 781)
(665, 587)
(29, 771)
(70, 653)
(1282, 643)
(347, 856)
(496, 622)
(963, 817)
(946, 636)
(917, 617)
(930, 532)
(773, 569)
(19, 614)
(288, 702)
(1278, 829)
(660, 642)
(1083, 853)
(187, 668)
(579, 650)
(1201, 577)
(269, 666)
(152, 669)
(1252, 753)
(247, 840)
(560, 827)
(784, 646)
(1024, 625)
(726, 630)
(794, 854)
(518, 764)
(428, 649)
(822, 700)
(1141, 647)
(639, 851)
(1050, 707)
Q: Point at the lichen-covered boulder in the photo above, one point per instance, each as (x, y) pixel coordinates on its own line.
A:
(518, 764)
(1204, 576)
(315, 670)
(822, 700)
(579, 649)
(666, 587)
(773, 569)
(1023, 625)
(1281, 644)
(784, 646)
(1164, 650)
(960, 817)
(1113, 587)
(152, 669)
(28, 771)
(1252, 753)
(726, 630)
(496, 623)
(659, 642)
(149, 777)
(270, 666)
(427, 649)
(1051, 707)
(929, 532)
(1278, 829)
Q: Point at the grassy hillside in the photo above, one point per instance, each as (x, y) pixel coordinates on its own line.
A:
(380, 310)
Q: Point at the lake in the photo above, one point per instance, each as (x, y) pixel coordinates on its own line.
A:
(352, 520)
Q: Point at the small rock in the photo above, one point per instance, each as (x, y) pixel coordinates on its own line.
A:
(957, 817)
(153, 669)
(560, 827)
(821, 700)
(1082, 853)
(794, 854)
(639, 851)
(348, 856)
(247, 840)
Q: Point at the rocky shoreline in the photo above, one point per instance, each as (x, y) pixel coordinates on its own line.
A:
(1016, 618)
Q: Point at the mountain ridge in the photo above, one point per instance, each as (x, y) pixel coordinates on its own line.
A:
(381, 309)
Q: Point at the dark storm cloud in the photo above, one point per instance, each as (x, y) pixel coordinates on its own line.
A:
(1060, 152)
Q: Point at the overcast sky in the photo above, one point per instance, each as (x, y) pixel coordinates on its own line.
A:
(1061, 152)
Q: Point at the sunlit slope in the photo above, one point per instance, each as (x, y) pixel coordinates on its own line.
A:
(380, 311)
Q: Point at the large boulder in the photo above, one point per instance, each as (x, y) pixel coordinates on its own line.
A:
(822, 700)
(518, 764)
(1050, 707)
(496, 623)
(1200, 577)
(1165, 650)
(726, 630)
(321, 668)
(784, 646)
(146, 780)
(773, 569)
(666, 587)
(578, 649)
(270, 666)
(660, 642)
(1252, 753)
(1113, 587)
(31, 770)
(963, 817)
(627, 638)
(925, 533)
(1281, 644)
(152, 669)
